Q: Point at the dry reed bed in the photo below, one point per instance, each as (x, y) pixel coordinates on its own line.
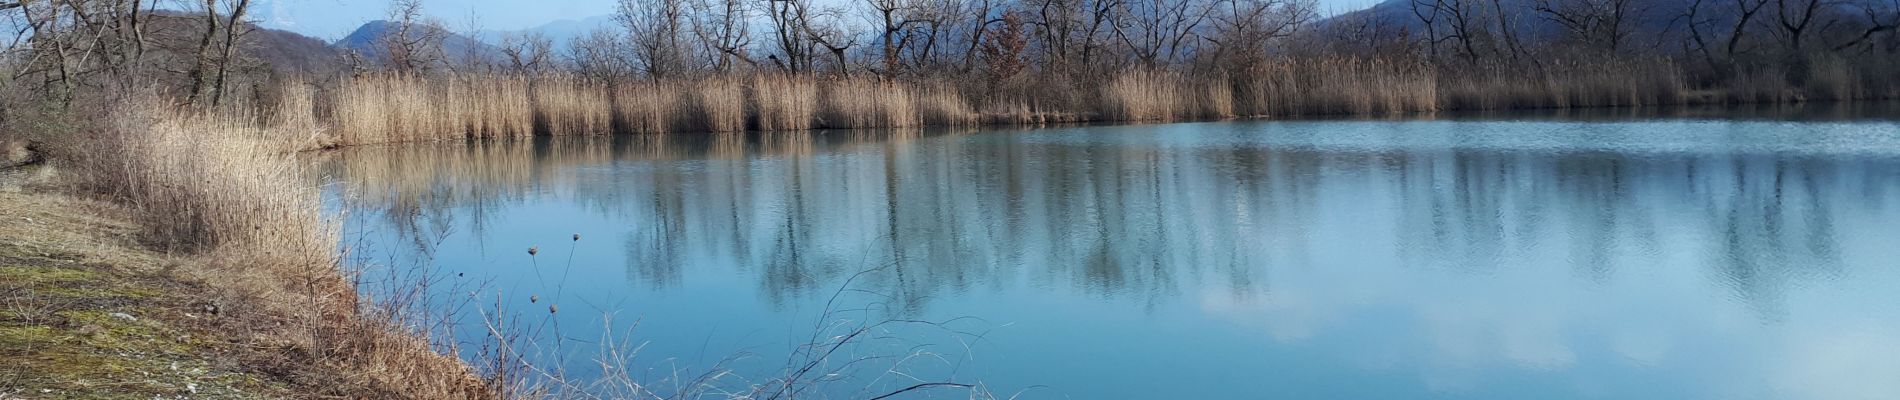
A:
(217, 186)
(395, 108)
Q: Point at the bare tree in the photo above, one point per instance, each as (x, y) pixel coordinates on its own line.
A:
(1602, 24)
(601, 55)
(1464, 24)
(894, 19)
(1507, 26)
(1427, 12)
(657, 29)
(1243, 29)
(416, 45)
(1745, 11)
(1158, 31)
(828, 29)
(789, 20)
(201, 70)
(724, 29)
(234, 28)
(528, 53)
(1882, 19)
(979, 25)
(1795, 18)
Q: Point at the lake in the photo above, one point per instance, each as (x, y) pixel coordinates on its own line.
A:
(1484, 258)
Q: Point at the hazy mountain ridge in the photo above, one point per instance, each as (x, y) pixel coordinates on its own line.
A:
(1651, 21)
(560, 32)
(367, 40)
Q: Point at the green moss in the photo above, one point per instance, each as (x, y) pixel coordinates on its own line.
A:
(61, 339)
(39, 275)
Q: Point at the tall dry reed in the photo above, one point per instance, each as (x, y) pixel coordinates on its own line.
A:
(942, 105)
(648, 107)
(1142, 95)
(783, 102)
(490, 106)
(1337, 86)
(565, 105)
(866, 103)
(718, 105)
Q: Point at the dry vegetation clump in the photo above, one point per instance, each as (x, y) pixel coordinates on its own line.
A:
(393, 108)
(1337, 86)
(14, 151)
(210, 185)
(648, 107)
(1646, 83)
(384, 108)
(943, 105)
(1216, 99)
(784, 103)
(718, 105)
(571, 106)
(859, 103)
(490, 106)
(1143, 95)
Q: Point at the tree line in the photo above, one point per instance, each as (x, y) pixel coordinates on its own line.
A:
(1052, 50)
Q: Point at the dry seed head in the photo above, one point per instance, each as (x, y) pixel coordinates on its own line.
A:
(553, 309)
(533, 298)
(577, 237)
(532, 250)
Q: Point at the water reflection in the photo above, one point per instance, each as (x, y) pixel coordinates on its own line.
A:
(1479, 259)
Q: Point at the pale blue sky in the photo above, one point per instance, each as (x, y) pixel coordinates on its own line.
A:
(332, 19)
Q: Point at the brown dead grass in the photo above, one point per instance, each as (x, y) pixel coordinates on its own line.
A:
(211, 186)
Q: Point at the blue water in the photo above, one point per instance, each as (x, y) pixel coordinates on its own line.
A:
(1455, 259)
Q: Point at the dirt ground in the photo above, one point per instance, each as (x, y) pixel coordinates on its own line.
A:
(87, 313)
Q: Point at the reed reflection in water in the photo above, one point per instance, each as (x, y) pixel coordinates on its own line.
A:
(1464, 259)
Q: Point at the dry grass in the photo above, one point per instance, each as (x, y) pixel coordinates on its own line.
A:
(571, 106)
(211, 185)
(647, 107)
(784, 103)
(718, 105)
(1143, 95)
(396, 108)
(942, 105)
(1337, 86)
(865, 103)
(1217, 99)
(491, 107)
(1567, 85)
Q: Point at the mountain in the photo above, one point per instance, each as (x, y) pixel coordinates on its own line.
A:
(560, 32)
(367, 40)
(175, 35)
(1659, 23)
(1649, 17)
(289, 51)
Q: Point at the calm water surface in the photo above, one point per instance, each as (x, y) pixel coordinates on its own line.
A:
(1488, 259)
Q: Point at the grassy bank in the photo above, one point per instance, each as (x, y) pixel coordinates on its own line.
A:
(218, 195)
(90, 312)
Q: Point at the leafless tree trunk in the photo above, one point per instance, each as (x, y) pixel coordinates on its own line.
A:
(233, 30)
(1745, 11)
(200, 73)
